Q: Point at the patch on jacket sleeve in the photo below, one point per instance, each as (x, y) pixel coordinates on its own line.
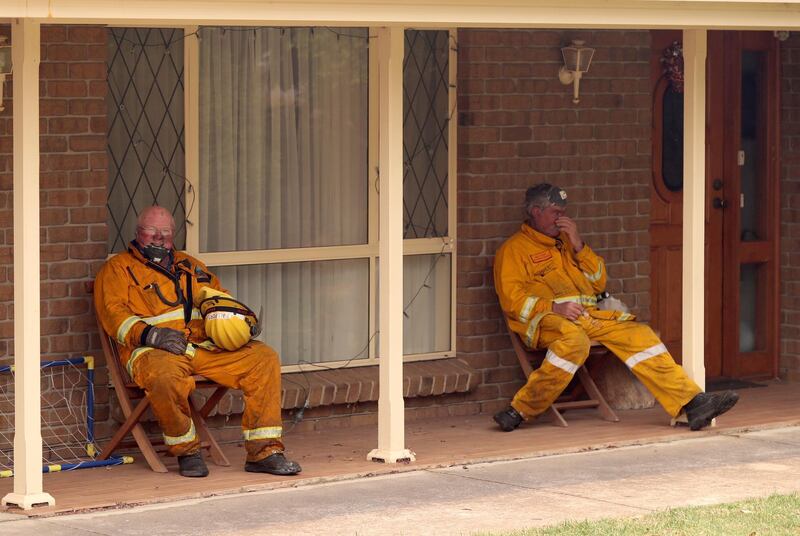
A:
(541, 257)
(202, 277)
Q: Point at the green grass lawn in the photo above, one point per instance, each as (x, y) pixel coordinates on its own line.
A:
(776, 515)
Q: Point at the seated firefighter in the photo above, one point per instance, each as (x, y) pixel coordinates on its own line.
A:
(547, 280)
(152, 300)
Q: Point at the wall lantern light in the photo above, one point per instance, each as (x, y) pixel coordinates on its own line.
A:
(5, 65)
(577, 59)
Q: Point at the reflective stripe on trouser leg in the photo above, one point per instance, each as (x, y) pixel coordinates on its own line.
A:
(167, 380)
(189, 436)
(255, 369)
(568, 347)
(647, 357)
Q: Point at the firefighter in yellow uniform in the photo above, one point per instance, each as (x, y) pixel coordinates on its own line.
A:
(547, 280)
(148, 299)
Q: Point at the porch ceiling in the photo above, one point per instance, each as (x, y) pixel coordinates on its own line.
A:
(711, 14)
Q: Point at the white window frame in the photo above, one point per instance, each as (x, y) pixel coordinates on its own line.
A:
(416, 246)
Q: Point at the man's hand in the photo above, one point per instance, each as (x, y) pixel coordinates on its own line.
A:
(168, 339)
(570, 228)
(569, 310)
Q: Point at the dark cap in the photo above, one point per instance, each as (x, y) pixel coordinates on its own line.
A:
(545, 193)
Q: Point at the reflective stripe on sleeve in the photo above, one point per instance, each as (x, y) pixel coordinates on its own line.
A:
(625, 316)
(653, 351)
(527, 307)
(265, 432)
(563, 364)
(595, 276)
(125, 327)
(582, 299)
(169, 316)
(185, 438)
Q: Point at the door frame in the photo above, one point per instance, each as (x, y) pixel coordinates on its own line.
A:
(736, 252)
(723, 248)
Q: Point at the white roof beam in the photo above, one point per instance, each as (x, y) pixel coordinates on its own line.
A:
(643, 14)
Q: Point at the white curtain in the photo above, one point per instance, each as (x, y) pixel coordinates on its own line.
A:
(283, 164)
(426, 300)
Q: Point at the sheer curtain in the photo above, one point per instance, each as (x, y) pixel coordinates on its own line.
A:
(283, 164)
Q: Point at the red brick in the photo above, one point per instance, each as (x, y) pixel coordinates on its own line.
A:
(87, 143)
(67, 125)
(53, 34)
(68, 89)
(88, 71)
(87, 34)
(64, 162)
(72, 233)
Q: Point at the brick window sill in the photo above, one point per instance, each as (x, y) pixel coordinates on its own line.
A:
(360, 384)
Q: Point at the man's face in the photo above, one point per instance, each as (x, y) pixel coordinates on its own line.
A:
(156, 228)
(544, 219)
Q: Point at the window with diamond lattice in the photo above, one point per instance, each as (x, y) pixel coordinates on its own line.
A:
(425, 133)
(145, 133)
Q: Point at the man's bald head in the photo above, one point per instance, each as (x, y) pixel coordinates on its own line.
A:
(155, 225)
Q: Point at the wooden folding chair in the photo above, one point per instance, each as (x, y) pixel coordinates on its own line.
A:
(128, 392)
(576, 398)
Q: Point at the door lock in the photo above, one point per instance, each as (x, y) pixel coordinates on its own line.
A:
(719, 203)
(717, 184)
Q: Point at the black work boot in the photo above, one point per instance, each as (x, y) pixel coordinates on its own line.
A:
(705, 406)
(508, 419)
(192, 465)
(275, 464)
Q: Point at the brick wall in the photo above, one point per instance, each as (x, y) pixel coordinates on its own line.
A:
(790, 209)
(518, 126)
(73, 195)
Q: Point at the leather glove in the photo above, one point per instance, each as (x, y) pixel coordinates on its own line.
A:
(168, 339)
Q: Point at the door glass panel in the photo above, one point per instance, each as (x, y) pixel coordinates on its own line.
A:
(672, 139)
(752, 308)
(752, 158)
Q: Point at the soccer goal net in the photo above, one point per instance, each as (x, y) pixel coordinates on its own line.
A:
(67, 417)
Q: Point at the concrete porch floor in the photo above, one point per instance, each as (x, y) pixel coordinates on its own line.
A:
(339, 454)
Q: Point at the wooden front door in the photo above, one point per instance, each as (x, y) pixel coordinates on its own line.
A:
(742, 216)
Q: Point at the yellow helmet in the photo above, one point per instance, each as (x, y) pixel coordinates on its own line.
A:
(228, 322)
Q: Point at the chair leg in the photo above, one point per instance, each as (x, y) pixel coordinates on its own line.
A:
(205, 435)
(133, 426)
(591, 389)
(558, 419)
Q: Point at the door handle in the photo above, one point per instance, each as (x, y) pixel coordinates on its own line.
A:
(719, 203)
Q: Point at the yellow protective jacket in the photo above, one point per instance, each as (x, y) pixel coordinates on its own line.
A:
(133, 294)
(532, 271)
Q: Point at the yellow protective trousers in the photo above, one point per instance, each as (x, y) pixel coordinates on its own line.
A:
(635, 344)
(254, 368)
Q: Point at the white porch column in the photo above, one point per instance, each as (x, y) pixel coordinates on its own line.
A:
(391, 407)
(191, 122)
(694, 180)
(27, 311)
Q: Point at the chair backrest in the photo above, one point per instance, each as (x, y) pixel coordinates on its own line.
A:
(119, 375)
(525, 355)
